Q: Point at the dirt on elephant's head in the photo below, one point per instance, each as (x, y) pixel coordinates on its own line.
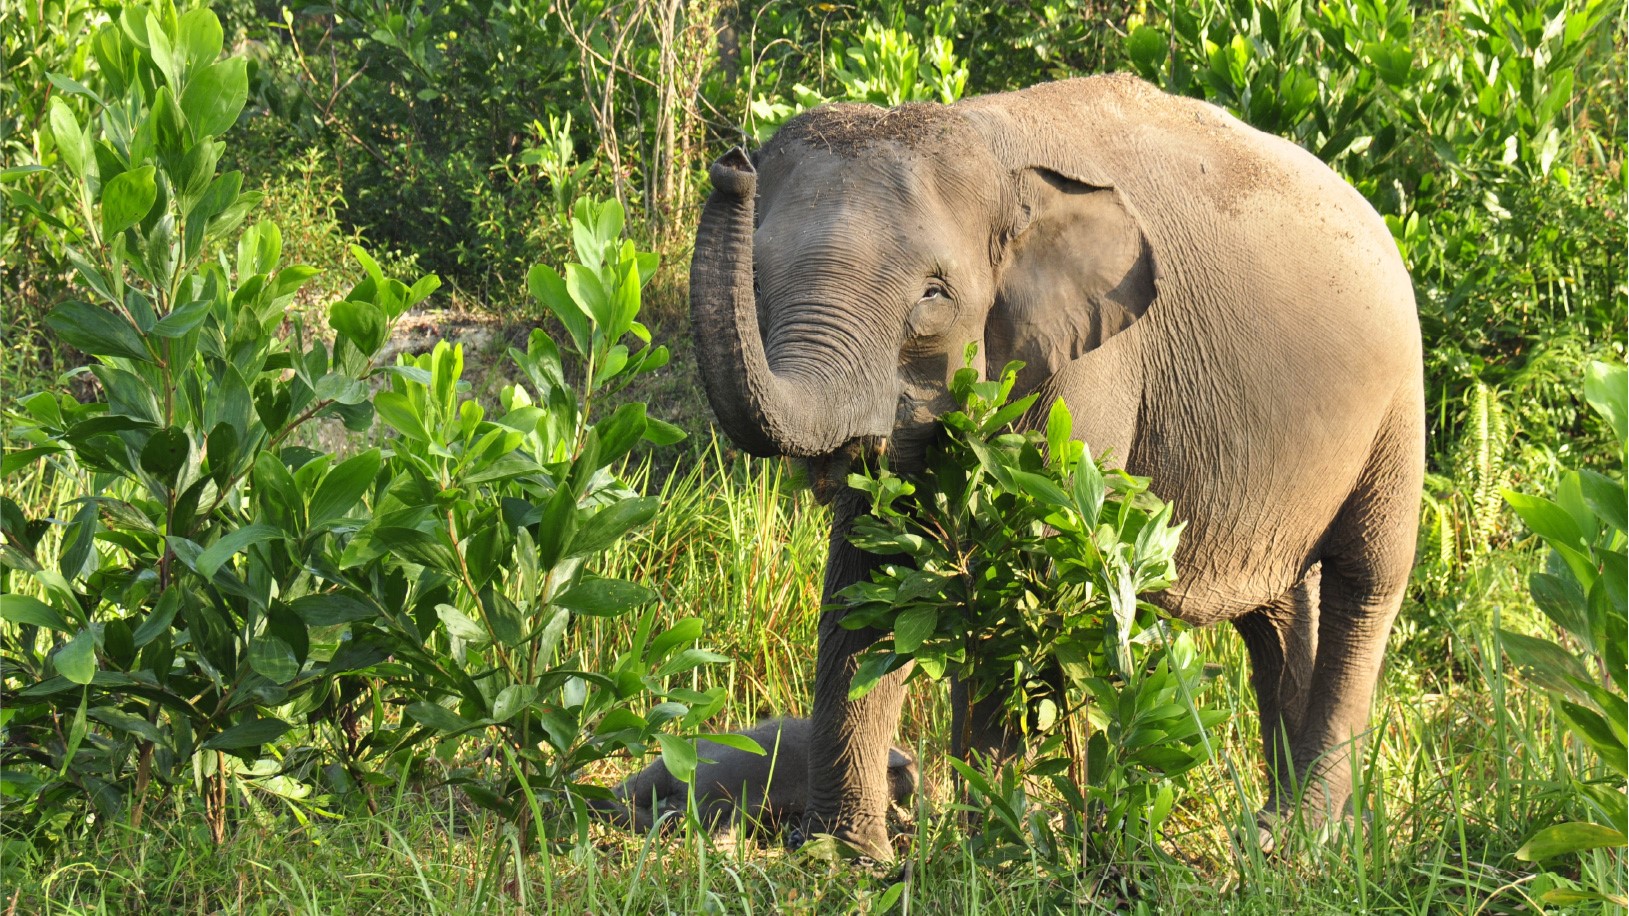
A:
(847, 128)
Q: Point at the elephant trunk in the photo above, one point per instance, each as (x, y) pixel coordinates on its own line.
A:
(763, 413)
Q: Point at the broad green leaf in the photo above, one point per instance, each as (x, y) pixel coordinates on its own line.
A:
(97, 331)
(125, 722)
(604, 597)
(162, 51)
(661, 432)
(1147, 48)
(331, 610)
(395, 409)
(273, 659)
(21, 458)
(1039, 488)
(549, 289)
(362, 322)
(1604, 388)
(619, 432)
(415, 546)
(1562, 601)
(913, 627)
(159, 620)
(341, 389)
(1562, 839)
(462, 625)
(508, 627)
(739, 742)
(686, 659)
(873, 668)
(198, 34)
(679, 755)
(1592, 728)
(513, 700)
(683, 632)
(584, 285)
(252, 733)
(1060, 427)
(32, 611)
(76, 661)
(73, 144)
(183, 320)
(548, 639)
(210, 561)
(1606, 498)
(166, 453)
(1546, 519)
(126, 199)
(344, 486)
(1088, 490)
(438, 717)
(607, 526)
(78, 541)
(557, 528)
(214, 96)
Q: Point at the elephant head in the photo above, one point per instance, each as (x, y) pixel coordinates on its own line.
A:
(842, 269)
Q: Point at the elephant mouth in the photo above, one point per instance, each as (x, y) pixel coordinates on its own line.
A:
(827, 475)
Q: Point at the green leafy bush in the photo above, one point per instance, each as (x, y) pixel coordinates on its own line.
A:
(1581, 591)
(907, 61)
(218, 585)
(1021, 563)
(164, 649)
(486, 531)
(43, 54)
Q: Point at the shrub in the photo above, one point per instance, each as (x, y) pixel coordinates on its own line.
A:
(1021, 563)
(163, 649)
(485, 533)
(216, 584)
(1582, 592)
(909, 60)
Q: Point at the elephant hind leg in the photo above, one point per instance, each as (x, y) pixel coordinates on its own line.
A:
(1282, 638)
(1366, 559)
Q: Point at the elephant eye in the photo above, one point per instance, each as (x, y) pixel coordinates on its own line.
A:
(935, 290)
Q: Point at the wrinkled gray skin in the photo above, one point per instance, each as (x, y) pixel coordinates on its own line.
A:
(1219, 310)
(770, 789)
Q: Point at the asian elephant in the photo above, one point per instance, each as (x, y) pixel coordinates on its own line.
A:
(1220, 311)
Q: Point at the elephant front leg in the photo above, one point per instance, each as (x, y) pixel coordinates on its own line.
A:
(849, 740)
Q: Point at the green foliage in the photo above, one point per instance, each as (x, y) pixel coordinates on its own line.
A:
(910, 60)
(168, 619)
(43, 55)
(1019, 43)
(487, 532)
(217, 584)
(463, 130)
(1021, 563)
(1581, 591)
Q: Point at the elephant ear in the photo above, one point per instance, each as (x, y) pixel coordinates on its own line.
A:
(1075, 268)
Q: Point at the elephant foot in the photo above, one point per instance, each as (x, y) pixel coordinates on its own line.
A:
(866, 840)
(1278, 831)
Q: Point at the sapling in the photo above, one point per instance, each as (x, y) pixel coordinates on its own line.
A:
(1021, 562)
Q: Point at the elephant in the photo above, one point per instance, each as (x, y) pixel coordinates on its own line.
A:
(1219, 310)
(770, 790)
